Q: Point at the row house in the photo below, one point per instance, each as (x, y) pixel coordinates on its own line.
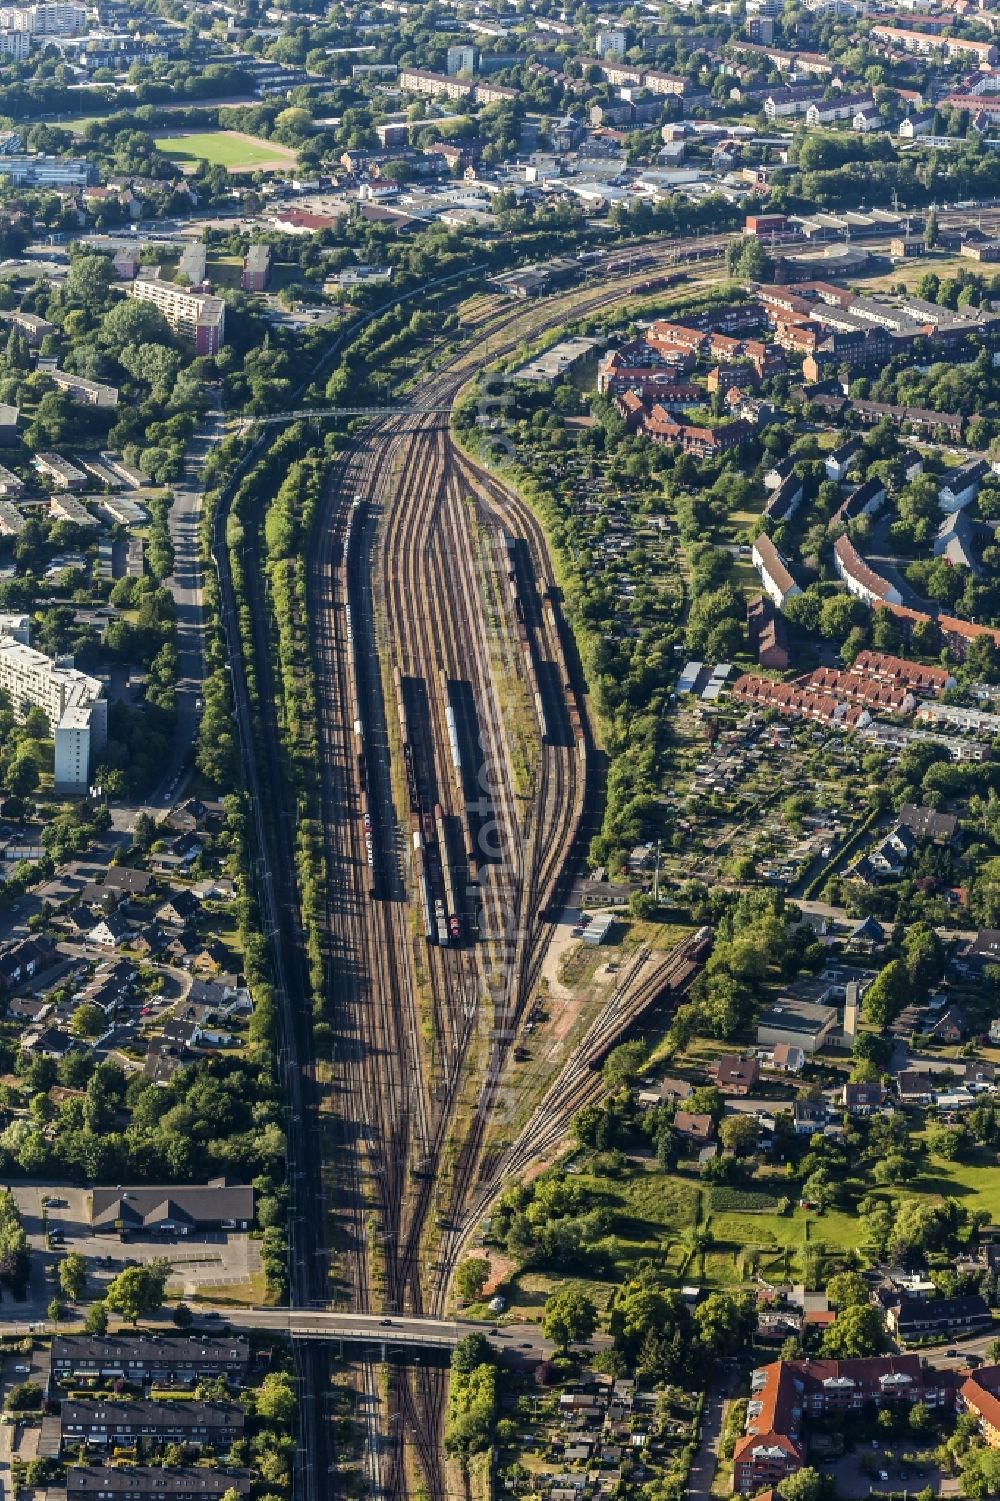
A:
(914, 419)
(141, 1358)
(886, 698)
(799, 703)
(913, 675)
(99, 1423)
(955, 633)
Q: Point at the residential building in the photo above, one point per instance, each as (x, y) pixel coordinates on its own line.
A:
(864, 500)
(34, 328)
(136, 1482)
(421, 81)
(256, 268)
(74, 702)
(101, 1423)
(788, 1058)
(925, 43)
(196, 316)
(737, 1076)
(461, 59)
(859, 578)
(962, 485)
(63, 474)
(91, 393)
(785, 500)
(787, 1392)
(176, 1209)
(840, 460)
(777, 581)
(913, 675)
(862, 1099)
(697, 1129)
(44, 19)
(767, 633)
(915, 1319)
(979, 1394)
(142, 1358)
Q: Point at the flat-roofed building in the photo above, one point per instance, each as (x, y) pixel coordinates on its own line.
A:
(256, 268)
(73, 701)
(196, 316)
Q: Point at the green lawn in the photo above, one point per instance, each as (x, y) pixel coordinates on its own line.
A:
(225, 148)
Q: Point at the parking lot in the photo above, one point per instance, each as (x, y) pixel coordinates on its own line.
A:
(199, 1262)
(851, 1480)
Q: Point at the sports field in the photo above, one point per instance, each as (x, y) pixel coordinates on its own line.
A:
(225, 148)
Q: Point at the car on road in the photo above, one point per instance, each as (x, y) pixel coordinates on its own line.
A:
(385, 1321)
(22, 1370)
(952, 1353)
(883, 1474)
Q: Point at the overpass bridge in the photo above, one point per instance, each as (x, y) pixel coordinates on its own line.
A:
(318, 414)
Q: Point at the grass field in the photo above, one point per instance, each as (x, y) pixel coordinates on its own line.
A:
(225, 148)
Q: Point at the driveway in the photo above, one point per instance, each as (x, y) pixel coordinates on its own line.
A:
(705, 1462)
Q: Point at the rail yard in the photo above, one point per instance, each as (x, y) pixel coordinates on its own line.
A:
(457, 773)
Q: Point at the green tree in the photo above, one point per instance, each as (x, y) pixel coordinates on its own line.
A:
(858, 1331)
(847, 1289)
(88, 1021)
(570, 1316)
(276, 1399)
(138, 1291)
(470, 1277)
(739, 1134)
(804, 1485)
(73, 1276)
(96, 1321)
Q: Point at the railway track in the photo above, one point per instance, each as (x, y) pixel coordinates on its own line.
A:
(403, 633)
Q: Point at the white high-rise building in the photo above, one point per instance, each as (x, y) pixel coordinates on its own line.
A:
(44, 19)
(74, 702)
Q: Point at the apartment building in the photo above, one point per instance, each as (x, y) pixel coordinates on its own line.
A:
(421, 81)
(196, 316)
(861, 580)
(44, 20)
(978, 1395)
(15, 44)
(62, 474)
(256, 268)
(91, 393)
(786, 1392)
(924, 43)
(775, 577)
(74, 703)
